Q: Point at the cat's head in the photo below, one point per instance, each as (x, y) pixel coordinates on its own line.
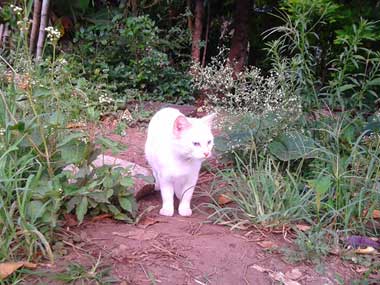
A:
(193, 136)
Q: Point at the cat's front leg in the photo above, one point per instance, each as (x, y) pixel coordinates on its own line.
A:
(167, 195)
(184, 208)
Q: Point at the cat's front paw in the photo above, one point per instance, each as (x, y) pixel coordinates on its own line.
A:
(167, 211)
(185, 211)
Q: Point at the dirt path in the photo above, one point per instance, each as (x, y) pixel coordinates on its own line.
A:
(177, 250)
(186, 251)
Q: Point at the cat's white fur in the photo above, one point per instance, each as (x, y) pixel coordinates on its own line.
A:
(175, 148)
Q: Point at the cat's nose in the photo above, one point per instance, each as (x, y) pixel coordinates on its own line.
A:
(206, 153)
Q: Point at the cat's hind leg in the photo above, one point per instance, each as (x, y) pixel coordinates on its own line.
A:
(156, 181)
(184, 208)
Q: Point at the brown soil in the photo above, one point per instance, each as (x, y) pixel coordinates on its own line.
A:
(177, 250)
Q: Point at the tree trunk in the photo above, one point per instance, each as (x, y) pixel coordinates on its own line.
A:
(199, 13)
(41, 35)
(35, 25)
(239, 45)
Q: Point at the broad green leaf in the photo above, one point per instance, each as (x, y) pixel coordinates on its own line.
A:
(81, 209)
(72, 203)
(35, 209)
(71, 137)
(108, 182)
(346, 87)
(73, 153)
(113, 209)
(109, 193)
(99, 196)
(374, 82)
(292, 145)
(320, 185)
(125, 203)
(34, 135)
(115, 147)
(122, 217)
(126, 181)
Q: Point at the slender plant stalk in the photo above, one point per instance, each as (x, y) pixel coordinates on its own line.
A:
(1, 34)
(5, 34)
(41, 35)
(35, 25)
(190, 22)
(206, 35)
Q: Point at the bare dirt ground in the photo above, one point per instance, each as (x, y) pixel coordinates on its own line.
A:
(177, 250)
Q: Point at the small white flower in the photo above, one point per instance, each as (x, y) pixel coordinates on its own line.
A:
(2, 131)
(16, 9)
(52, 33)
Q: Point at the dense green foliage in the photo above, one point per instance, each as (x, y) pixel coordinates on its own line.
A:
(127, 57)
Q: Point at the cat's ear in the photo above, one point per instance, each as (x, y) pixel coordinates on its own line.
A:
(180, 124)
(209, 119)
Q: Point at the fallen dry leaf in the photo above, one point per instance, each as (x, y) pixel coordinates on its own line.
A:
(138, 234)
(8, 268)
(376, 214)
(303, 227)
(70, 220)
(223, 199)
(367, 250)
(267, 244)
(101, 217)
(259, 268)
(279, 276)
(147, 222)
(294, 274)
(75, 125)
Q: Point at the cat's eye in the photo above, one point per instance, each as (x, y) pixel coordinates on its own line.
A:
(196, 144)
(209, 142)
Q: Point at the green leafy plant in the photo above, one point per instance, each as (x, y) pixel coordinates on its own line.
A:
(102, 190)
(126, 53)
(38, 103)
(343, 75)
(312, 246)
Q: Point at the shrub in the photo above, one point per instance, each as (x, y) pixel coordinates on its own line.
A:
(126, 53)
(344, 75)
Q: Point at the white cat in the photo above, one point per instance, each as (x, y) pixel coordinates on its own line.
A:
(175, 148)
